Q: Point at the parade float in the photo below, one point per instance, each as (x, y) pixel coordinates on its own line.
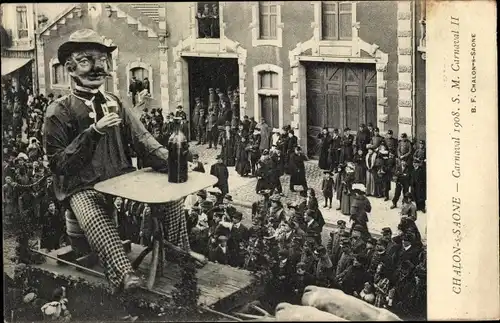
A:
(180, 284)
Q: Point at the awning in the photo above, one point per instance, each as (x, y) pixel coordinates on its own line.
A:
(10, 65)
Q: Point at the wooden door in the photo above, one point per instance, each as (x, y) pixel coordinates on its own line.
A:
(339, 96)
(269, 110)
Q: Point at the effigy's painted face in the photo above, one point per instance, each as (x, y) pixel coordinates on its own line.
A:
(88, 68)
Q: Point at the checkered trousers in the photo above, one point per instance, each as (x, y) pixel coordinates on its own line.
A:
(174, 223)
(94, 215)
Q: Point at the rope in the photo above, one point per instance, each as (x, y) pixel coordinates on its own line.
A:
(32, 184)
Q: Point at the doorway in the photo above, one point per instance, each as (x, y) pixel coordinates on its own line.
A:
(205, 73)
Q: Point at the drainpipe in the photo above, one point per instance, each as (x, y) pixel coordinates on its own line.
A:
(35, 41)
(413, 74)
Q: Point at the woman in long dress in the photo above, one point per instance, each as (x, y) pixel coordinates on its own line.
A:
(370, 171)
(360, 168)
(345, 200)
(242, 163)
(326, 144)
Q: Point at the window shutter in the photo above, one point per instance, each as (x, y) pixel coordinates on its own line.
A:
(329, 20)
(345, 21)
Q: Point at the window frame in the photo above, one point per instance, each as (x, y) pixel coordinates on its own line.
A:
(255, 25)
(196, 33)
(276, 91)
(338, 13)
(53, 64)
(138, 63)
(20, 9)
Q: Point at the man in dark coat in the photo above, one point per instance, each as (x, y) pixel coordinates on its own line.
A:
(220, 254)
(418, 185)
(198, 165)
(195, 117)
(347, 151)
(228, 145)
(292, 142)
(403, 180)
(212, 130)
(220, 171)
(363, 138)
(325, 150)
(242, 166)
(246, 124)
(298, 170)
(238, 235)
(201, 128)
(333, 246)
(134, 88)
(376, 139)
(327, 188)
(405, 148)
(335, 150)
(391, 142)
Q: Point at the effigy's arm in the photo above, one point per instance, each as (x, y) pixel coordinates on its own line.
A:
(67, 156)
(143, 142)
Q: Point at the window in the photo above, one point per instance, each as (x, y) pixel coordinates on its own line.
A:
(208, 18)
(268, 97)
(22, 22)
(143, 73)
(266, 25)
(60, 75)
(336, 21)
(268, 19)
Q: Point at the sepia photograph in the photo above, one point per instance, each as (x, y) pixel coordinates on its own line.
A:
(221, 161)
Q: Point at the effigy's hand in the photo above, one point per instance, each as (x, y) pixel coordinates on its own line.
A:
(108, 121)
(289, 312)
(337, 303)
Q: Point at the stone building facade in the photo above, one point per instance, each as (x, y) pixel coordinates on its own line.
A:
(305, 63)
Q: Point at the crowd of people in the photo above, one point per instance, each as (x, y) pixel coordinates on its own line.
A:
(27, 191)
(285, 238)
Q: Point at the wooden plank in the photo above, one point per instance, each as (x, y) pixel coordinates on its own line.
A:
(149, 186)
(220, 285)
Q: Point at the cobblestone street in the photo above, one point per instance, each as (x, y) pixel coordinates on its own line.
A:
(243, 191)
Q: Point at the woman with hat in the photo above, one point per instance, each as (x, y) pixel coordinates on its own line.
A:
(325, 148)
(228, 145)
(276, 211)
(219, 170)
(371, 170)
(347, 182)
(360, 207)
(360, 168)
(298, 170)
(347, 150)
(242, 166)
(84, 135)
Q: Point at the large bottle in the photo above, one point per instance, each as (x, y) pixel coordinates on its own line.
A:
(177, 154)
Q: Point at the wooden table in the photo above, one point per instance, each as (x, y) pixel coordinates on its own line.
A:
(149, 186)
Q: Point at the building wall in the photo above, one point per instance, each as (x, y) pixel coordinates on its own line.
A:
(420, 63)
(132, 45)
(378, 25)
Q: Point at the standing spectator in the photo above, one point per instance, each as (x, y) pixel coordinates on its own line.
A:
(237, 239)
(195, 119)
(404, 148)
(242, 159)
(391, 142)
(336, 148)
(228, 145)
(52, 228)
(212, 130)
(145, 85)
(220, 171)
(402, 182)
(327, 188)
(134, 88)
(8, 198)
(265, 135)
(220, 254)
(347, 151)
(371, 170)
(420, 154)
(376, 138)
(292, 142)
(325, 149)
(333, 246)
(360, 167)
(298, 171)
(419, 185)
(201, 127)
(363, 138)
